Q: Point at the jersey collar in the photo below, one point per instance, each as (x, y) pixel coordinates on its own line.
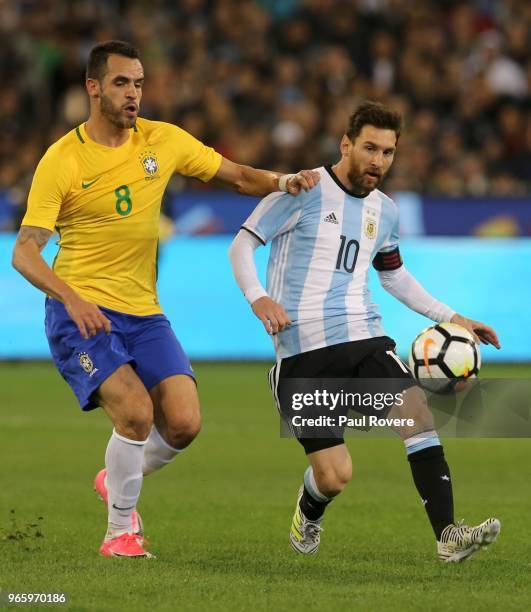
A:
(84, 138)
(328, 168)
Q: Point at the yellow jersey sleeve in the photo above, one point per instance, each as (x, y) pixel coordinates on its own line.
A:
(193, 157)
(51, 183)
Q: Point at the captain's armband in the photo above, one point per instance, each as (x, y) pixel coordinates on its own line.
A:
(391, 260)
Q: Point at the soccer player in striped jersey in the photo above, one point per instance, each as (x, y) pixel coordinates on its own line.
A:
(100, 187)
(318, 309)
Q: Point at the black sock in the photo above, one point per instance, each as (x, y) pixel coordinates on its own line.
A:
(432, 479)
(311, 508)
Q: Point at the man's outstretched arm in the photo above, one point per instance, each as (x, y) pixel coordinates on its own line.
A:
(251, 181)
(402, 285)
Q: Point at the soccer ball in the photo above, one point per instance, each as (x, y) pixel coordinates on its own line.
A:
(444, 357)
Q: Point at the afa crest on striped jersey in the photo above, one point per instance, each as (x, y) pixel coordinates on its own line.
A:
(370, 229)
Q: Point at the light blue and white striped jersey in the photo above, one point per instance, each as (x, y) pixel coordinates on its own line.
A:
(323, 242)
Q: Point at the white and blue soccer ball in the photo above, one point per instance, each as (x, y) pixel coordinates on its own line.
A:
(444, 357)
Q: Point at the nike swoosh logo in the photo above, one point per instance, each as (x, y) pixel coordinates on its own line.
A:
(89, 184)
(425, 350)
(122, 509)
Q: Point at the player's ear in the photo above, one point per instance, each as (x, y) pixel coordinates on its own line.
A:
(93, 88)
(345, 145)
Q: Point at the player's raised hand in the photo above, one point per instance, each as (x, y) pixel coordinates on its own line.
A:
(272, 314)
(302, 181)
(87, 316)
(481, 332)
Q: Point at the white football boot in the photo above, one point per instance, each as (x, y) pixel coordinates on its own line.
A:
(458, 542)
(305, 535)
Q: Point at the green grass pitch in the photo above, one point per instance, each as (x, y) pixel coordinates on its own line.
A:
(218, 518)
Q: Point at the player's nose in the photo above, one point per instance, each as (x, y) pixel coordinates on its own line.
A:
(132, 93)
(377, 160)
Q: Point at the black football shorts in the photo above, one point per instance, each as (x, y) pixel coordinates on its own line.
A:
(361, 359)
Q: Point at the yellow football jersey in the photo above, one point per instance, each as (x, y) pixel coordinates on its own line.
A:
(105, 203)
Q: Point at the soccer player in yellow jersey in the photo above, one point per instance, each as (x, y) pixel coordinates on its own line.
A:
(100, 188)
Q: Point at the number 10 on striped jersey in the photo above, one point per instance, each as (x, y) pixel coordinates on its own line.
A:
(348, 254)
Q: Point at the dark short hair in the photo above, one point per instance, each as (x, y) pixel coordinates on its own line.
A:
(375, 114)
(97, 61)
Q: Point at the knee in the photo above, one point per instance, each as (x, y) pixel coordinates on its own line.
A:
(180, 432)
(331, 480)
(137, 421)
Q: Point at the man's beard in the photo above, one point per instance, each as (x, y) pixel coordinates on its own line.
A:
(357, 180)
(114, 115)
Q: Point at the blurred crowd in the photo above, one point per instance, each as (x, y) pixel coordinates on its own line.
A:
(271, 83)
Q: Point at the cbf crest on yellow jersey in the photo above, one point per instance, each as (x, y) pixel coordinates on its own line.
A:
(105, 204)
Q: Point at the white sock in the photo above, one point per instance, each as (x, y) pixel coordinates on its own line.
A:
(157, 452)
(123, 460)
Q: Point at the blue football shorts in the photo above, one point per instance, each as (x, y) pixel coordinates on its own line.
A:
(147, 343)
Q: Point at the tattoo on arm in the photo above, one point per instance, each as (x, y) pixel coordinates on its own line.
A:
(39, 235)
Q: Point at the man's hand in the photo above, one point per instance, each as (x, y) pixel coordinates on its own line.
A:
(88, 317)
(302, 181)
(272, 315)
(481, 332)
